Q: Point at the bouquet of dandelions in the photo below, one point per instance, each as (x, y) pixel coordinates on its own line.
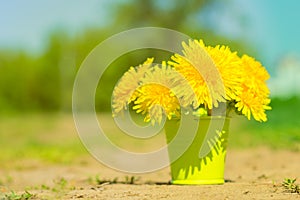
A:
(203, 79)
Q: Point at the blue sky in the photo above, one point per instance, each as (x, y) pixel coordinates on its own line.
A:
(272, 26)
(27, 24)
(280, 28)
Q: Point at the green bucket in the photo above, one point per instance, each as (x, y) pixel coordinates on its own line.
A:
(190, 168)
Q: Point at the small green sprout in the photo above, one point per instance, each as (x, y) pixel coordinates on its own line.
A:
(291, 186)
(13, 196)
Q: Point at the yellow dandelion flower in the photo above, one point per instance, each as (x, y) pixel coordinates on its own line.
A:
(155, 97)
(200, 93)
(123, 93)
(256, 75)
(254, 98)
(230, 68)
(212, 72)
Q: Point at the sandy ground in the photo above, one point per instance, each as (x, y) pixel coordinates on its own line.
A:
(250, 174)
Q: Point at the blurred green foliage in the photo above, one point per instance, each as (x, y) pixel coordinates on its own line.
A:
(49, 137)
(44, 82)
(280, 131)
